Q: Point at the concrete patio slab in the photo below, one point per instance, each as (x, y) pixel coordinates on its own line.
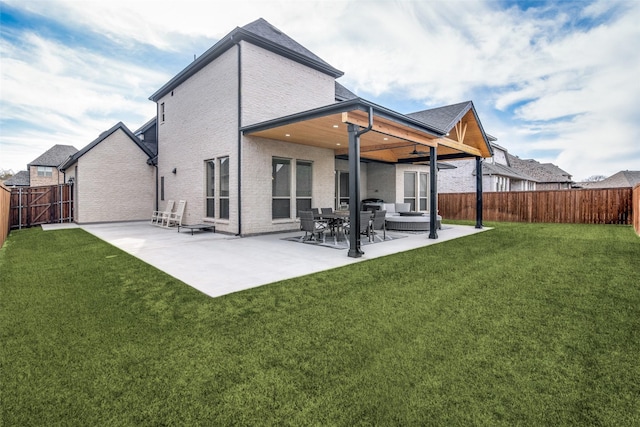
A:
(219, 264)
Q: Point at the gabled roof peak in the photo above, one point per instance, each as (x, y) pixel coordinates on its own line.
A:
(445, 117)
(104, 135)
(260, 33)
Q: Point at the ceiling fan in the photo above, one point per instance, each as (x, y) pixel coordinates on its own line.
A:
(415, 152)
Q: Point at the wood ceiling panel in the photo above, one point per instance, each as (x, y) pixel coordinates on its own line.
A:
(387, 141)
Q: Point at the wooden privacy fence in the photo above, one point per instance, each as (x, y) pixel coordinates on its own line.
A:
(41, 205)
(595, 206)
(5, 202)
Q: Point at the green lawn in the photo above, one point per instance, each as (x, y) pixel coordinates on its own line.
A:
(526, 324)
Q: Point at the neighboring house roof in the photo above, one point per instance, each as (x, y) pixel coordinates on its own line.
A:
(21, 179)
(542, 172)
(343, 94)
(262, 34)
(504, 170)
(54, 156)
(619, 179)
(102, 137)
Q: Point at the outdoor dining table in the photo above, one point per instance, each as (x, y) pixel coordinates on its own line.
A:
(337, 219)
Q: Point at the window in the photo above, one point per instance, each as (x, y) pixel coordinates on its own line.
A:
(45, 171)
(424, 189)
(416, 184)
(503, 184)
(342, 189)
(410, 189)
(281, 188)
(162, 188)
(162, 112)
(224, 187)
(210, 194)
(303, 186)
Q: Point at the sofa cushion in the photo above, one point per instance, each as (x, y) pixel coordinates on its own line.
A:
(389, 207)
(403, 207)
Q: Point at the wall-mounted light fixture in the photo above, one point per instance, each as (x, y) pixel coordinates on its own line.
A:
(174, 171)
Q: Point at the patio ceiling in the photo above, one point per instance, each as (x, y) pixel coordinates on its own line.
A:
(394, 138)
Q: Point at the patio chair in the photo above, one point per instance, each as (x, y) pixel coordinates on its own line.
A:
(175, 218)
(158, 217)
(378, 222)
(332, 222)
(311, 227)
(365, 224)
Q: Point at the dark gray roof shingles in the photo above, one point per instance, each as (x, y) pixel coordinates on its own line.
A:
(54, 156)
(20, 179)
(542, 172)
(443, 118)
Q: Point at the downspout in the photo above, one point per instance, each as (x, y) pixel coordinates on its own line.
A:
(155, 165)
(157, 159)
(239, 137)
(354, 186)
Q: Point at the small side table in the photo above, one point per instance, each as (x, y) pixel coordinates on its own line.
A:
(201, 227)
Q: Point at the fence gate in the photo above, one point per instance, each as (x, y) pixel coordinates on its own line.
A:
(41, 205)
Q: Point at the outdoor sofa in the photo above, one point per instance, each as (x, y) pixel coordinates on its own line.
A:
(400, 217)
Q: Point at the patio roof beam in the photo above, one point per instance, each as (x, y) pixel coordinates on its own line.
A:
(447, 142)
(387, 128)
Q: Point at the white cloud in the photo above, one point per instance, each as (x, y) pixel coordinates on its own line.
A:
(65, 95)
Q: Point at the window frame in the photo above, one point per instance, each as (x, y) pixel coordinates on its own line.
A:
(281, 196)
(45, 171)
(223, 187)
(210, 189)
(303, 201)
(420, 200)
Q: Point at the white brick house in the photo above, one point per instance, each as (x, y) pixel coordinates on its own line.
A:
(112, 178)
(257, 128)
(497, 175)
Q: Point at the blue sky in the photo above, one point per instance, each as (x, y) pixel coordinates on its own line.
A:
(553, 81)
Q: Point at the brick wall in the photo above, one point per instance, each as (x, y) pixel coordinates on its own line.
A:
(201, 123)
(113, 182)
(56, 177)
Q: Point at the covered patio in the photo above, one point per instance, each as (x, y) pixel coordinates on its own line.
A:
(219, 264)
(362, 131)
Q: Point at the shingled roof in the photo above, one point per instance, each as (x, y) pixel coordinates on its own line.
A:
(619, 179)
(260, 33)
(54, 156)
(261, 28)
(504, 170)
(21, 179)
(541, 172)
(104, 135)
(443, 118)
(343, 94)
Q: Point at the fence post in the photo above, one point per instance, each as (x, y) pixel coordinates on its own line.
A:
(20, 208)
